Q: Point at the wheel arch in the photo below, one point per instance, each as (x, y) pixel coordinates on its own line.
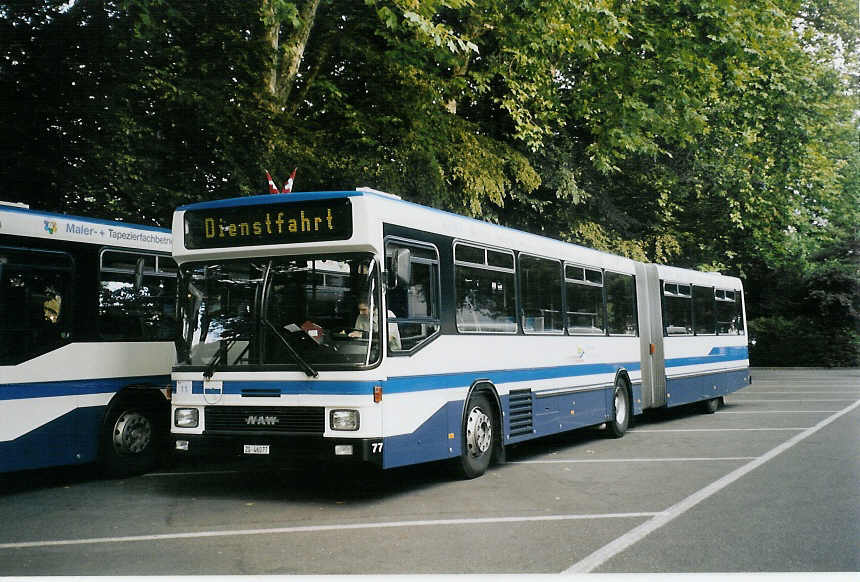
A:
(149, 395)
(623, 375)
(484, 386)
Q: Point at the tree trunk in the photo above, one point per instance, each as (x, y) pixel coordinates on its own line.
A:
(271, 27)
(286, 52)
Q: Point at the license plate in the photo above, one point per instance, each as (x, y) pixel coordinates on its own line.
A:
(256, 449)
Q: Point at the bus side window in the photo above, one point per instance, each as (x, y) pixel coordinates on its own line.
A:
(728, 312)
(413, 305)
(135, 307)
(541, 288)
(584, 290)
(621, 304)
(34, 294)
(704, 312)
(484, 283)
(677, 309)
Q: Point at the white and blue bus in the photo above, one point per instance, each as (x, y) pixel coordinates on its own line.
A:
(355, 325)
(87, 323)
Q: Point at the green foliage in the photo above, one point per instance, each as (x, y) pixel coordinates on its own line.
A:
(801, 342)
(811, 305)
(718, 135)
(125, 110)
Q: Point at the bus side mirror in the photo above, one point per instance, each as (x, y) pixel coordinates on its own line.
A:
(402, 267)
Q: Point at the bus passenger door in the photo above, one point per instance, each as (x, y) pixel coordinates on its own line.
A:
(650, 336)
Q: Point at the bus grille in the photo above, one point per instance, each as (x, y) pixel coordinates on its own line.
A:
(520, 404)
(267, 419)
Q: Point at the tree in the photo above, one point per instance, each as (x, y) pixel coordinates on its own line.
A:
(718, 135)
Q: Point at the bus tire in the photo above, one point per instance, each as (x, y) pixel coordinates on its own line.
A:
(131, 437)
(479, 434)
(617, 426)
(710, 406)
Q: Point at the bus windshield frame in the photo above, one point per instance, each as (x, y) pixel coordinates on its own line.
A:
(285, 312)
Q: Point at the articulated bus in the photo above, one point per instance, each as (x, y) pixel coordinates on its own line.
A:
(87, 322)
(357, 326)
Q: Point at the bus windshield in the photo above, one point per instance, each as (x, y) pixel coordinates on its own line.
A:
(280, 313)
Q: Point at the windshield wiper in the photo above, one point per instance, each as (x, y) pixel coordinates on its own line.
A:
(303, 364)
(224, 346)
(223, 349)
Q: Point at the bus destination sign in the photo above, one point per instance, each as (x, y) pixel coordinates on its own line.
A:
(269, 224)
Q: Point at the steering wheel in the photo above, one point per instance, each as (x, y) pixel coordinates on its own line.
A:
(344, 332)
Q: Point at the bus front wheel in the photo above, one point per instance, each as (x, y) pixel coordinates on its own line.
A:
(479, 436)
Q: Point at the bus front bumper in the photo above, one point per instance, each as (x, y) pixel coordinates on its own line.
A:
(279, 448)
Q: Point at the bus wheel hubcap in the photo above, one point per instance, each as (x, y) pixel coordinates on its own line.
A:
(132, 433)
(620, 406)
(479, 432)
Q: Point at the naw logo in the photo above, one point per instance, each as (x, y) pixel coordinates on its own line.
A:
(262, 420)
(50, 226)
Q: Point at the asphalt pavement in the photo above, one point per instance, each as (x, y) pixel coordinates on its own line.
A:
(767, 484)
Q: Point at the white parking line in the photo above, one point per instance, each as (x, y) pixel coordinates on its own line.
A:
(745, 400)
(643, 460)
(190, 473)
(667, 430)
(320, 528)
(813, 392)
(775, 411)
(602, 555)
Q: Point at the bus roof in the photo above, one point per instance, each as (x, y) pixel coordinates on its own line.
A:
(270, 198)
(358, 192)
(503, 236)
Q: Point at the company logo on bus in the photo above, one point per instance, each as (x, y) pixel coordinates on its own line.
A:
(261, 420)
(269, 224)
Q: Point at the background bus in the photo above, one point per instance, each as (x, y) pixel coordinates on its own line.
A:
(474, 336)
(87, 320)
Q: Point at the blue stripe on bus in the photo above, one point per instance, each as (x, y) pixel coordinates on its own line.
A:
(434, 381)
(70, 439)
(429, 442)
(76, 387)
(343, 387)
(697, 388)
(433, 439)
(722, 354)
(399, 384)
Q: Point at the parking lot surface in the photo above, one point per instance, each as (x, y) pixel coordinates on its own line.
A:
(767, 484)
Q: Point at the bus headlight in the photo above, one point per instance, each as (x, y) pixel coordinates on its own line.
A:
(344, 420)
(186, 417)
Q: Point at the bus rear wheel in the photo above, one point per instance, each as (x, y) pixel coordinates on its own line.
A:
(479, 436)
(711, 405)
(620, 421)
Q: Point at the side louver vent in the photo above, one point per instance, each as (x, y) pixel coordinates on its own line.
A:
(522, 421)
